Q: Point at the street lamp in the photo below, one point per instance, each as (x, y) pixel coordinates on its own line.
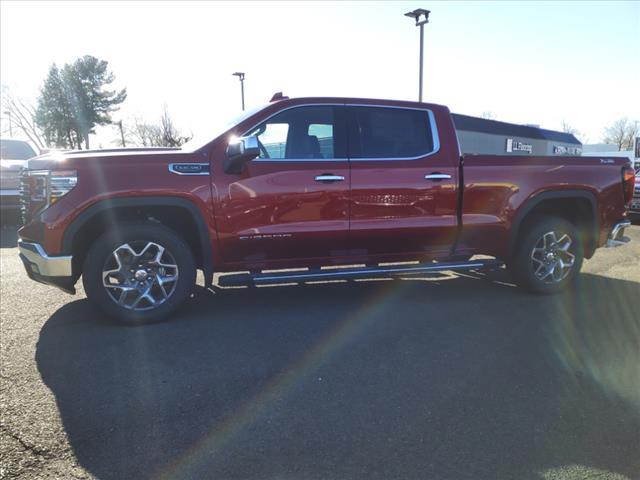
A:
(421, 17)
(119, 123)
(240, 75)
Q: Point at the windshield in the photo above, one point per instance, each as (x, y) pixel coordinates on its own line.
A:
(200, 141)
(15, 150)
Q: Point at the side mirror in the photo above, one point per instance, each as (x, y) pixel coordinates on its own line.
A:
(239, 151)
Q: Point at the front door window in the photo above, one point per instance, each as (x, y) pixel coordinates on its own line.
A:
(303, 133)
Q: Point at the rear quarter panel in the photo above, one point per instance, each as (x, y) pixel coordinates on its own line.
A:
(498, 188)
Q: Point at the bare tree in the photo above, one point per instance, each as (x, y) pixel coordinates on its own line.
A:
(144, 134)
(568, 128)
(171, 137)
(621, 133)
(162, 134)
(22, 115)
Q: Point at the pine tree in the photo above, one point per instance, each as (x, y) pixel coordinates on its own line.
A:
(74, 100)
(53, 114)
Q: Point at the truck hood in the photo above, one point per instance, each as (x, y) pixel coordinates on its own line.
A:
(51, 159)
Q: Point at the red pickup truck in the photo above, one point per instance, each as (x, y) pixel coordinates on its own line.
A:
(289, 189)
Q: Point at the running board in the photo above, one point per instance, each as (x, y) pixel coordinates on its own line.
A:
(236, 279)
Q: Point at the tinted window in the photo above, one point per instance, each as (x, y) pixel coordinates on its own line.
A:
(390, 133)
(16, 150)
(298, 134)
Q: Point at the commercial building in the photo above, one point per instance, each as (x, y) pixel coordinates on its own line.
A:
(483, 136)
(609, 150)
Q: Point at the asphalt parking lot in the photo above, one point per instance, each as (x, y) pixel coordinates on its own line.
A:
(442, 377)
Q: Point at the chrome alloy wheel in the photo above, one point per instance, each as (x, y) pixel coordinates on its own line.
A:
(140, 275)
(551, 259)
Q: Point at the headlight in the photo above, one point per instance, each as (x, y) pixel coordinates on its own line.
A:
(42, 188)
(60, 183)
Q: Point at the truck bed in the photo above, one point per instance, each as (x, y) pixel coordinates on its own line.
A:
(496, 187)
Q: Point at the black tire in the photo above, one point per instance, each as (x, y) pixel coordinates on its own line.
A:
(527, 270)
(145, 238)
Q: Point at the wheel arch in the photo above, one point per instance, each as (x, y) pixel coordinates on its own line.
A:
(560, 203)
(168, 210)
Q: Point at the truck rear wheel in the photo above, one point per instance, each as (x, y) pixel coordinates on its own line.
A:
(139, 272)
(549, 256)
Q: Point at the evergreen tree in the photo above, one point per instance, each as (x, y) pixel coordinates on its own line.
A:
(74, 100)
(53, 114)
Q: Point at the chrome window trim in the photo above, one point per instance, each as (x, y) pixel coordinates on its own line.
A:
(260, 160)
(173, 170)
(432, 122)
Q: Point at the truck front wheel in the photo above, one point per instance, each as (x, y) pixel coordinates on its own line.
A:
(549, 256)
(139, 272)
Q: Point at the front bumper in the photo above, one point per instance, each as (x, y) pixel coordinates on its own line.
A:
(56, 271)
(616, 237)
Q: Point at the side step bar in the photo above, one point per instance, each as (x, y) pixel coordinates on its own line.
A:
(237, 279)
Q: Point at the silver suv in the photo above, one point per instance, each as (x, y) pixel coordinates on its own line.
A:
(13, 158)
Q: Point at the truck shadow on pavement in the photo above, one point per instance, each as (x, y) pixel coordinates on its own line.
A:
(462, 378)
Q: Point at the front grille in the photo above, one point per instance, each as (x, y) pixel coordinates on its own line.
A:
(24, 199)
(635, 202)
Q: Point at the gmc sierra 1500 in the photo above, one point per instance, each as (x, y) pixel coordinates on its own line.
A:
(309, 183)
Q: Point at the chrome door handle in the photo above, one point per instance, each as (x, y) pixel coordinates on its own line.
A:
(327, 177)
(437, 176)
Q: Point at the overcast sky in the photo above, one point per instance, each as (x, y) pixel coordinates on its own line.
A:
(526, 62)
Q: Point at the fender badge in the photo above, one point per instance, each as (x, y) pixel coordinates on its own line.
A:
(189, 168)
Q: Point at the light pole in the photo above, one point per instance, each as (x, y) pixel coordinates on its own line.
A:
(119, 123)
(418, 15)
(240, 75)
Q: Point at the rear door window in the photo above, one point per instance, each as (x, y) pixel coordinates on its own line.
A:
(388, 133)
